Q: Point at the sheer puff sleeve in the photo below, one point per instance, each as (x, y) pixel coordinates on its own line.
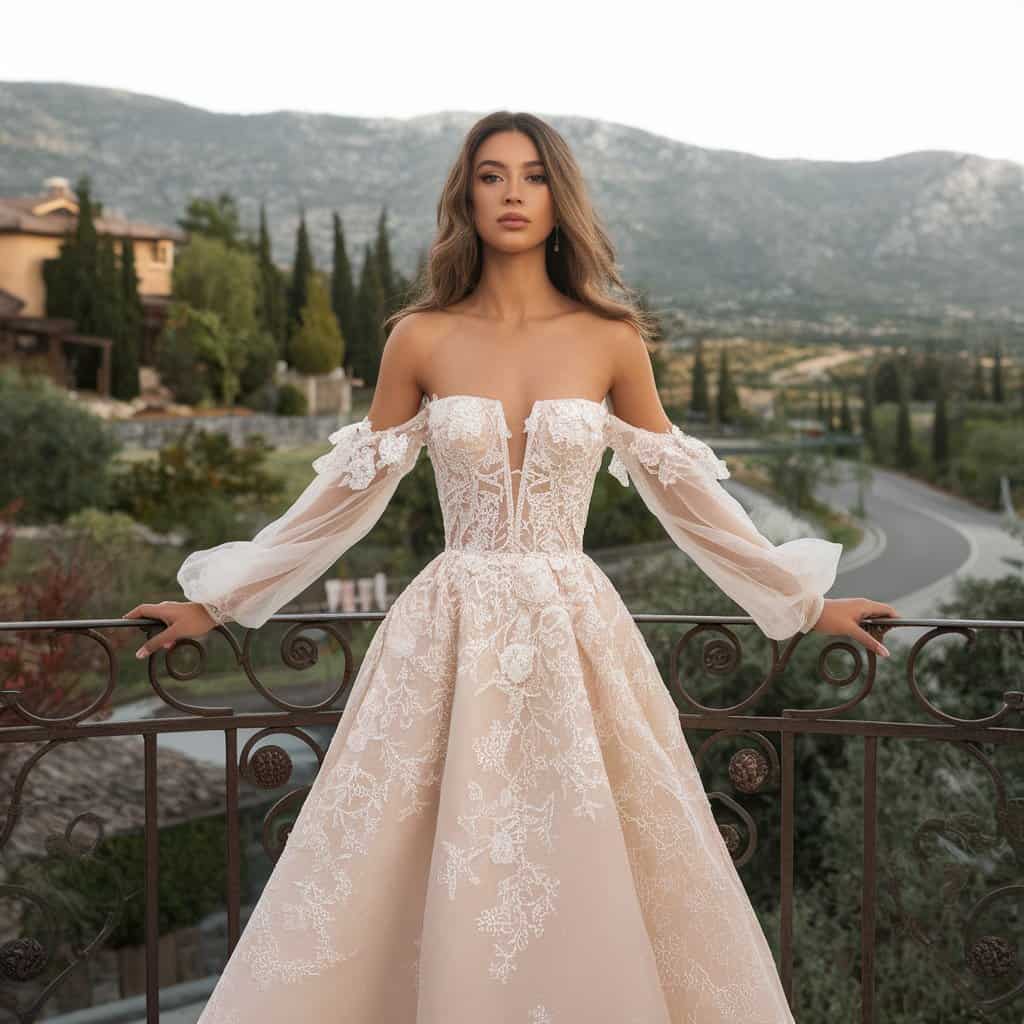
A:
(248, 581)
(781, 587)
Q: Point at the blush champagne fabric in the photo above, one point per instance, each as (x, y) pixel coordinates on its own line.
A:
(508, 825)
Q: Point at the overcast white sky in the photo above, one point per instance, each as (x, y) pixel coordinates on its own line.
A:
(779, 78)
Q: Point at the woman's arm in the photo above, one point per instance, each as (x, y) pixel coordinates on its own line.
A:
(781, 587)
(248, 581)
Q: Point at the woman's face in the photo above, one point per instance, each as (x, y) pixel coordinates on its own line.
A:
(508, 177)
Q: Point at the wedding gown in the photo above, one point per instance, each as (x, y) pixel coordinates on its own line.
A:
(508, 825)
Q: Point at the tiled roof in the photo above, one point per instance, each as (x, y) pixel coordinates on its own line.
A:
(16, 216)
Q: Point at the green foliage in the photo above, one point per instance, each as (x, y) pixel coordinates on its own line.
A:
(192, 882)
(56, 454)
(291, 401)
(211, 276)
(199, 359)
(727, 399)
(227, 338)
(795, 474)
(260, 362)
(107, 548)
(124, 383)
(343, 289)
(216, 220)
(991, 450)
(367, 344)
(88, 284)
(928, 881)
(198, 484)
(700, 402)
(298, 285)
(271, 303)
(316, 346)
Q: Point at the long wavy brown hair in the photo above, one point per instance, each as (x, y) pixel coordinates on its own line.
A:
(584, 268)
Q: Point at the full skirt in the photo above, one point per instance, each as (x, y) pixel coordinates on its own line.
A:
(508, 826)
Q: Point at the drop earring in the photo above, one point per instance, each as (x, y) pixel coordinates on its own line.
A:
(556, 238)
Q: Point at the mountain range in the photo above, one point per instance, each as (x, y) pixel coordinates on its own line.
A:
(929, 233)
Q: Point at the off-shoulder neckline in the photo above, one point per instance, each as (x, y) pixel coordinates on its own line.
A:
(433, 398)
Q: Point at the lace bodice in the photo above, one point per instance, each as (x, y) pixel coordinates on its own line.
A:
(491, 508)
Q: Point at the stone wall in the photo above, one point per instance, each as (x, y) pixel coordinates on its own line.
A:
(278, 430)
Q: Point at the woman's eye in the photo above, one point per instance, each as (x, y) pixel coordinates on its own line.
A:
(484, 177)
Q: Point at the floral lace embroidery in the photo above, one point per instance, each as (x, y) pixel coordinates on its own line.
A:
(673, 453)
(359, 452)
(517, 639)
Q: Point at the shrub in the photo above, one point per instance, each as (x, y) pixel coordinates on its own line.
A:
(56, 454)
(191, 884)
(291, 401)
(196, 485)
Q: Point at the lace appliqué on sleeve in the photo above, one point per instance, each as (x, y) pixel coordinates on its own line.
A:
(673, 454)
(359, 453)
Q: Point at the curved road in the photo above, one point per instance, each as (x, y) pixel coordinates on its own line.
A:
(922, 540)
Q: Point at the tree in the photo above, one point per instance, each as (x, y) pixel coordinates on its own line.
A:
(940, 428)
(317, 345)
(369, 339)
(904, 434)
(212, 276)
(867, 411)
(57, 453)
(385, 269)
(977, 387)
(302, 268)
(73, 285)
(217, 219)
(199, 358)
(271, 296)
(700, 402)
(997, 375)
(727, 402)
(343, 299)
(128, 333)
(845, 416)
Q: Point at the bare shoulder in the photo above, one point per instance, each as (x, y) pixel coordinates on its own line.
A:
(406, 352)
(634, 392)
(625, 352)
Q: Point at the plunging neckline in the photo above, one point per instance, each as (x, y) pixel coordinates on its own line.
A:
(515, 493)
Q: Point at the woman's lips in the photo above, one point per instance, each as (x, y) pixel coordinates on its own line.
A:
(513, 223)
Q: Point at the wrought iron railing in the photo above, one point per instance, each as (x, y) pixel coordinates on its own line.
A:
(987, 980)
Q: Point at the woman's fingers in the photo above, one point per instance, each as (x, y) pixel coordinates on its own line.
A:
(165, 638)
(869, 641)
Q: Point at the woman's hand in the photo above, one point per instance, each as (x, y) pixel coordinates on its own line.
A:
(183, 619)
(842, 615)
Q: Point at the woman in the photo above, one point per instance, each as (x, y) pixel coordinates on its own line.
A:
(508, 825)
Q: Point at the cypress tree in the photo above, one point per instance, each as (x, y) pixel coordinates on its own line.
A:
(700, 403)
(369, 322)
(904, 433)
(830, 412)
(124, 383)
(382, 253)
(977, 388)
(997, 375)
(302, 267)
(270, 298)
(940, 427)
(845, 416)
(343, 291)
(727, 399)
(317, 344)
(867, 411)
